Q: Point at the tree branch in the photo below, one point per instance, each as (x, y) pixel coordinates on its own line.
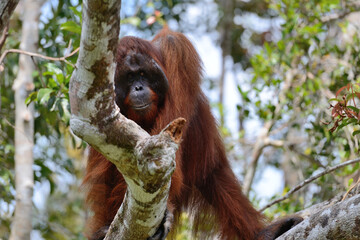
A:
(146, 162)
(309, 180)
(36, 55)
(339, 221)
(263, 136)
(4, 36)
(311, 159)
(350, 7)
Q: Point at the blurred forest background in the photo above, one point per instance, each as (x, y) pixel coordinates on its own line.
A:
(282, 77)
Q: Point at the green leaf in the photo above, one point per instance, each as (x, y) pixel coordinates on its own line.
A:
(51, 102)
(76, 12)
(356, 87)
(350, 96)
(351, 180)
(246, 113)
(52, 83)
(353, 108)
(60, 108)
(71, 26)
(353, 121)
(60, 78)
(131, 20)
(44, 95)
(53, 69)
(356, 132)
(32, 97)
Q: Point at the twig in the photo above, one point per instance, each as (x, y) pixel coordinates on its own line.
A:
(4, 36)
(351, 188)
(342, 14)
(38, 55)
(309, 180)
(334, 16)
(273, 143)
(265, 132)
(16, 128)
(308, 157)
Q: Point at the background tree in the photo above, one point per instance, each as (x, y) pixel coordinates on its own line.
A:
(24, 125)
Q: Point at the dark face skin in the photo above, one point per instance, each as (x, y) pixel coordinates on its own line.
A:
(140, 87)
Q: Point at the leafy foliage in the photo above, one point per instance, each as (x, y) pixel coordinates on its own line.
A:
(345, 112)
(300, 72)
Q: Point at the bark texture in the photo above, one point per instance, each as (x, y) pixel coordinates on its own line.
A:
(7, 7)
(145, 161)
(339, 221)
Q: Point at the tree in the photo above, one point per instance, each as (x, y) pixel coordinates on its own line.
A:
(24, 125)
(97, 120)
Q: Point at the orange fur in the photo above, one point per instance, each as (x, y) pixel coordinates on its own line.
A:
(203, 181)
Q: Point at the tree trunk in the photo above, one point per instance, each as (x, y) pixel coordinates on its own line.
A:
(7, 7)
(226, 27)
(146, 162)
(24, 125)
